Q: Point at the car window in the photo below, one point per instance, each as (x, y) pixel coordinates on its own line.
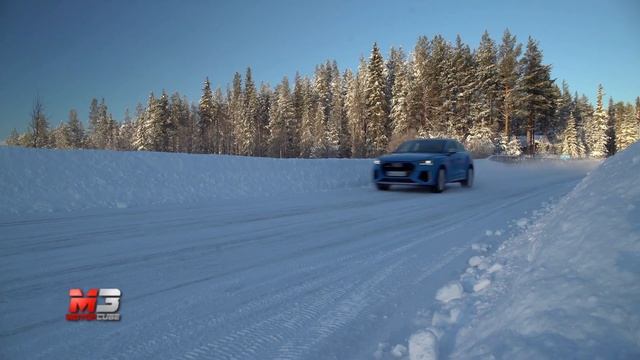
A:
(422, 146)
(460, 147)
(451, 147)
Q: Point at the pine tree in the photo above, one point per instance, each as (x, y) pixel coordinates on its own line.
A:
(306, 111)
(265, 98)
(236, 111)
(355, 104)
(376, 111)
(611, 128)
(281, 115)
(583, 112)
(487, 84)
(207, 137)
(418, 98)
(438, 83)
(165, 127)
(60, 138)
(462, 90)
(222, 126)
(76, 131)
(597, 128)
(571, 143)
(344, 129)
(323, 95)
(144, 126)
(94, 114)
(399, 101)
(126, 133)
(628, 127)
(246, 126)
(337, 117)
(508, 56)
(564, 106)
(535, 88)
(395, 65)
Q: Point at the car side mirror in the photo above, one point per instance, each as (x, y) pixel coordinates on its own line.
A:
(451, 151)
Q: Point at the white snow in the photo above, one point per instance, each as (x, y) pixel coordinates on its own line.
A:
(572, 285)
(481, 285)
(423, 346)
(522, 223)
(399, 350)
(231, 257)
(449, 292)
(474, 261)
(36, 180)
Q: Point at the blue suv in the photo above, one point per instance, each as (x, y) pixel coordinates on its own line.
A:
(425, 162)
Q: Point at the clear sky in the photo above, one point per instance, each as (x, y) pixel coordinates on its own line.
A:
(68, 52)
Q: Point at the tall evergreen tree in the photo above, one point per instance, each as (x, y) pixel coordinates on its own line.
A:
(356, 106)
(236, 111)
(487, 85)
(438, 83)
(280, 118)
(265, 98)
(306, 111)
(418, 97)
(400, 102)
(76, 130)
(597, 129)
(165, 127)
(508, 57)
(629, 131)
(571, 143)
(126, 133)
(337, 117)
(207, 137)
(376, 111)
(145, 135)
(247, 125)
(535, 90)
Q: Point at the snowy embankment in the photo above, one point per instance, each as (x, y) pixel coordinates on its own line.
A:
(55, 180)
(567, 287)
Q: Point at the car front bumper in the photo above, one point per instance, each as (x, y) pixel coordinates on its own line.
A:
(416, 174)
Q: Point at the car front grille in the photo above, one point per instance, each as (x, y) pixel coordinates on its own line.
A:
(398, 166)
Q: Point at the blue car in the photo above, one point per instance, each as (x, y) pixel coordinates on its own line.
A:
(425, 162)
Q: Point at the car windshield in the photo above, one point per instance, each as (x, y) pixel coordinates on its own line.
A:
(422, 146)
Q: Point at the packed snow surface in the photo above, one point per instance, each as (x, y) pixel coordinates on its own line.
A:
(222, 257)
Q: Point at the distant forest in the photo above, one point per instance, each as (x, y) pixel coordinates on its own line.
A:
(497, 98)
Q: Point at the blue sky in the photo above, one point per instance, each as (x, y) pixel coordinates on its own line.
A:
(68, 52)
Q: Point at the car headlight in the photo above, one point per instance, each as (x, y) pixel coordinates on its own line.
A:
(376, 162)
(426, 162)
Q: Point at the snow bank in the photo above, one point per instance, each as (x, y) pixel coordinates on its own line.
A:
(569, 285)
(36, 180)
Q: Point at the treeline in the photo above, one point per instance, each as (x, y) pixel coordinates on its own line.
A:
(490, 98)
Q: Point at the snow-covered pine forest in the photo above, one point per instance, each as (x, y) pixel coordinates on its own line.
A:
(496, 98)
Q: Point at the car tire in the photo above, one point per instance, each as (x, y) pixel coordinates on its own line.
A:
(383, 187)
(468, 182)
(441, 181)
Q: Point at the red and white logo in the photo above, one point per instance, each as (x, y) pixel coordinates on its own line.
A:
(86, 306)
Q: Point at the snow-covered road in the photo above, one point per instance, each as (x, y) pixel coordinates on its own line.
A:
(317, 275)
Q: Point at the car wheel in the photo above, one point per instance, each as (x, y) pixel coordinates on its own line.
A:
(441, 181)
(383, 187)
(468, 182)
